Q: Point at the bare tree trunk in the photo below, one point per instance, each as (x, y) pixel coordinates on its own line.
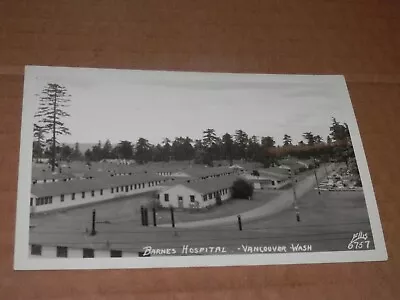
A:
(53, 163)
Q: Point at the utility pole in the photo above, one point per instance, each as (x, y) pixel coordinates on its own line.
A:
(296, 208)
(316, 177)
(93, 232)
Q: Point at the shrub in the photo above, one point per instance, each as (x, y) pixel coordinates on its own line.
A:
(255, 173)
(242, 189)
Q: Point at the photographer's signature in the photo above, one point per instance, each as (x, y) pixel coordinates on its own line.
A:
(359, 241)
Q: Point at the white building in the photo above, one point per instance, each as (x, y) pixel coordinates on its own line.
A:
(198, 193)
(62, 195)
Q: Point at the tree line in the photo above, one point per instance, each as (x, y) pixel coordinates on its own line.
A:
(238, 145)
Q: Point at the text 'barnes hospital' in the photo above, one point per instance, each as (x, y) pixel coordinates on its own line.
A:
(187, 250)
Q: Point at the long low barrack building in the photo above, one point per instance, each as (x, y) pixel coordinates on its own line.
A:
(62, 195)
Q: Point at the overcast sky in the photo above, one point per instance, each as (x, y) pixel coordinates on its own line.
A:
(126, 105)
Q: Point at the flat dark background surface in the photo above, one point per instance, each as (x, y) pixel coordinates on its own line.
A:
(359, 39)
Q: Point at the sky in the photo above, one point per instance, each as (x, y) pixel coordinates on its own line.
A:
(125, 105)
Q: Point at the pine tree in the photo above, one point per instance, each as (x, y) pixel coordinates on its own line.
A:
(52, 101)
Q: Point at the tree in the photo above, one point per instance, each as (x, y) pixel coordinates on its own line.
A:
(124, 150)
(227, 147)
(241, 143)
(339, 132)
(328, 140)
(317, 139)
(287, 140)
(65, 152)
(143, 151)
(39, 142)
(309, 137)
(107, 151)
(253, 148)
(167, 149)
(52, 102)
(242, 189)
(76, 153)
(267, 142)
(209, 138)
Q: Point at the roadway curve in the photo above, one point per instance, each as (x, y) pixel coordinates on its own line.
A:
(279, 203)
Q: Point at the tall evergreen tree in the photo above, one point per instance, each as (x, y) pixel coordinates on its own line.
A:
(39, 142)
(124, 150)
(107, 150)
(287, 140)
(227, 144)
(51, 113)
(143, 151)
(309, 137)
(241, 143)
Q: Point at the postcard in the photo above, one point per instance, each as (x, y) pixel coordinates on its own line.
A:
(160, 169)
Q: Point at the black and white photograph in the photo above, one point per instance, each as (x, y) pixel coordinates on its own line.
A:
(154, 169)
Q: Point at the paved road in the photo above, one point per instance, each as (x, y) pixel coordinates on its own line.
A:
(281, 202)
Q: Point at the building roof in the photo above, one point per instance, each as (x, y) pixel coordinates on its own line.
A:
(203, 172)
(276, 171)
(209, 185)
(86, 185)
(47, 174)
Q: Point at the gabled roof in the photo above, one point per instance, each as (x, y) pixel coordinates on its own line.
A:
(47, 174)
(203, 172)
(276, 171)
(86, 185)
(209, 185)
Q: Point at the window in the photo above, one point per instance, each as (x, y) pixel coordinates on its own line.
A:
(209, 196)
(83, 195)
(62, 198)
(37, 201)
(126, 188)
(180, 198)
(36, 250)
(62, 251)
(166, 197)
(50, 199)
(73, 196)
(44, 181)
(191, 198)
(117, 189)
(116, 253)
(149, 184)
(131, 187)
(46, 200)
(101, 192)
(143, 185)
(112, 190)
(31, 203)
(135, 186)
(205, 197)
(88, 253)
(92, 193)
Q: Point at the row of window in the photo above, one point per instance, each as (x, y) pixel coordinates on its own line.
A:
(50, 180)
(63, 252)
(214, 195)
(49, 200)
(42, 201)
(216, 175)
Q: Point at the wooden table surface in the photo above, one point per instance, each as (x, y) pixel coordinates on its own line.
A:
(360, 39)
